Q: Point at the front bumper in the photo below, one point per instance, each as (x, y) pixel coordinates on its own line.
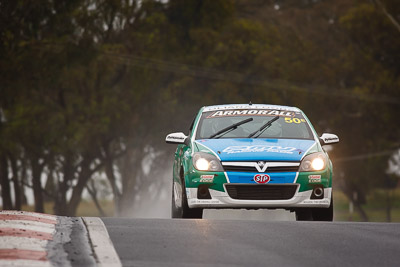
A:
(223, 200)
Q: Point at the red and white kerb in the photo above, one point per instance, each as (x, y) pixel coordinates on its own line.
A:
(24, 237)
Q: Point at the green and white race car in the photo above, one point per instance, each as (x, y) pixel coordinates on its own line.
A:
(252, 156)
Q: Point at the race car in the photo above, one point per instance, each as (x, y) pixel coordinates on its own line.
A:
(252, 156)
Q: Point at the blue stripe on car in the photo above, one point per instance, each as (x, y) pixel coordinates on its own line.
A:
(248, 177)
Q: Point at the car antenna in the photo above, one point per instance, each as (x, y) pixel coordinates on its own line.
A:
(250, 103)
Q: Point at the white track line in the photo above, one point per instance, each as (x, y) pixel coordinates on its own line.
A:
(28, 213)
(24, 243)
(23, 263)
(102, 245)
(28, 225)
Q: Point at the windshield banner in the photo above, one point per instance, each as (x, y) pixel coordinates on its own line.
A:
(253, 112)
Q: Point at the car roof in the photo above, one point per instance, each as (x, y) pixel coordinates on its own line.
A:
(250, 106)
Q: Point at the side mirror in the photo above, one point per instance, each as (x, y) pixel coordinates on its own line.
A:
(329, 139)
(176, 138)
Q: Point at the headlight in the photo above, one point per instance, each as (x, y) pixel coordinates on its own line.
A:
(206, 162)
(313, 162)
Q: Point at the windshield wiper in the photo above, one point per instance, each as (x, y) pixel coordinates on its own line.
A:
(264, 127)
(232, 127)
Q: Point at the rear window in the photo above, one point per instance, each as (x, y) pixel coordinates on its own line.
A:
(287, 125)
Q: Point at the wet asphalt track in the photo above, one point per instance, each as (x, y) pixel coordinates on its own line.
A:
(167, 242)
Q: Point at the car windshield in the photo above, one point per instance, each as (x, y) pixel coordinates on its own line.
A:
(287, 125)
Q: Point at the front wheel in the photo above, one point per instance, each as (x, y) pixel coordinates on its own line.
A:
(321, 214)
(180, 208)
(304, 214)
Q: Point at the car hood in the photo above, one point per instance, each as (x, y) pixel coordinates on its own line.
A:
(248, 149)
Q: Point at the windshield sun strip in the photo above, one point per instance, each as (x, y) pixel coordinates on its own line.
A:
(298, 115)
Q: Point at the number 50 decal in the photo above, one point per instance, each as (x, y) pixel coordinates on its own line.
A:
(294, 120)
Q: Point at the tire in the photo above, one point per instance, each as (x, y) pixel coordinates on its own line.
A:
(176, 212)
(323, 214)
(304, 214)
(184, 212)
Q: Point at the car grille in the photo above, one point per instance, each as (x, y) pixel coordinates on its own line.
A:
(261, 192)
(253, 169)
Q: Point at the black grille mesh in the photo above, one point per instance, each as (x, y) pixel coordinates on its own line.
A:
(261, 192)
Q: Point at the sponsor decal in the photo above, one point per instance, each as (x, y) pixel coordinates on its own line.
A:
(206, 178)
(247, 106)
(204, 201)
(176, 137)
(330, 139)
(262, 178)
(316, 201)
(187, 192)
(294, 120)
(259, 148)
(314, 178)
(254, 112)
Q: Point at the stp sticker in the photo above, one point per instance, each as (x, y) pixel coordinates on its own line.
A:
(206, 178)
(262, 178)
(314, 178)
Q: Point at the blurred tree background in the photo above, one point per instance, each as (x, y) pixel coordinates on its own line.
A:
(90, 88)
